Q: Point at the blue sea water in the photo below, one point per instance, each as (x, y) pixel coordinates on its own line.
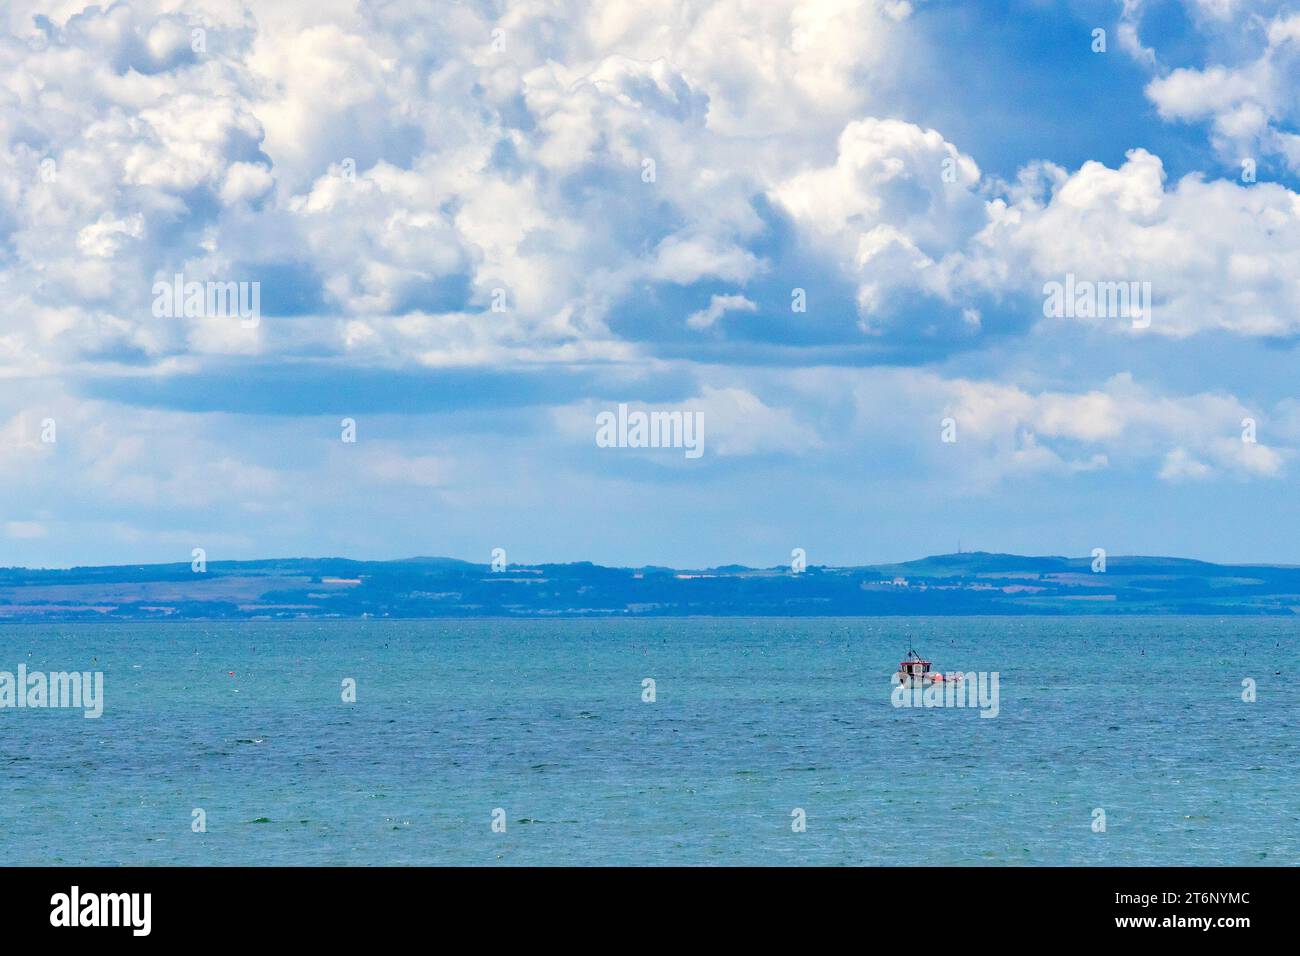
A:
(1140, 717)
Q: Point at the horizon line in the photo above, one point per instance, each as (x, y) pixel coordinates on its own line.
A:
(634, 567)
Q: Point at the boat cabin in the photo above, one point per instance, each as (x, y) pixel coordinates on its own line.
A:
(914, 666)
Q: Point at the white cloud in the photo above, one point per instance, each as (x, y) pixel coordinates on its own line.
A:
(1122, 421)
(474, 168)
(740, 423)
(684, 259)
(245, 181)
(1179, 465)
(1217, 254)
(736, 423)
(719, 305)
(896, 198)
(1006, 431)
(1251, 104)
(404, 170)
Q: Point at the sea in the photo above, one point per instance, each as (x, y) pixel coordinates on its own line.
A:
(685, 741)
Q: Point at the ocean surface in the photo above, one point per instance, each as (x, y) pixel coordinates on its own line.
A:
(1141, 718)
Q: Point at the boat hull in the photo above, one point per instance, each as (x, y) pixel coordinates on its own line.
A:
(910, 680)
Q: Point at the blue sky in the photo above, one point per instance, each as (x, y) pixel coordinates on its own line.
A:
(474, 227)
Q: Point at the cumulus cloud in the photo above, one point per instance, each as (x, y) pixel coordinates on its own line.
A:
(896, 199)
(460, 188)
(374, 163)
(622, 187)
(1252, 103)
(1218, 254)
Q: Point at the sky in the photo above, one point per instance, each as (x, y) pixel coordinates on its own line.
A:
(827, 231)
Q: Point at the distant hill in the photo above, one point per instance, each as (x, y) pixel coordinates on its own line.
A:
(950, 584)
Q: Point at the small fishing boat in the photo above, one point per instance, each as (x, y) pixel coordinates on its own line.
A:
(914, 671)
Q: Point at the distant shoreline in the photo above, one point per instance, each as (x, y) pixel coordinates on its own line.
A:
(970, 584)
(498, 619)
